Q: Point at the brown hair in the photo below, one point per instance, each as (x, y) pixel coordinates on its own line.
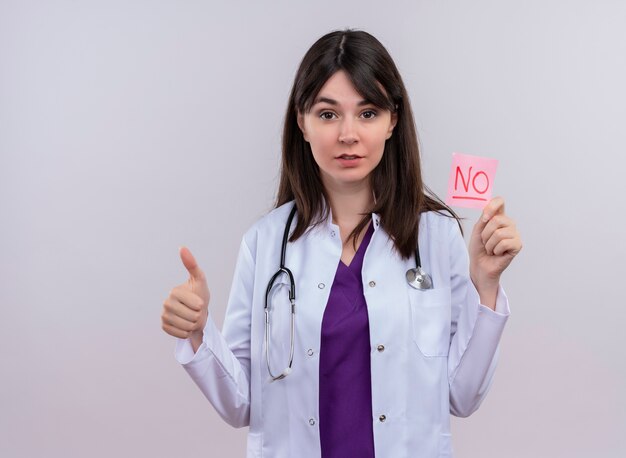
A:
(397, 180)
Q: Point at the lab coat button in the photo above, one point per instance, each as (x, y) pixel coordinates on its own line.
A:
(333, 233)
(312, 421)
(321, 286)
(380, 348)
(372, 284)
(310, 352)
(382, 418)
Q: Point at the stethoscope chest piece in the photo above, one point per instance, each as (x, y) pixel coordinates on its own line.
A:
(419, 279)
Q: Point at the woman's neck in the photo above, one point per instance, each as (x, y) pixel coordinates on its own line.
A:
(348, 204)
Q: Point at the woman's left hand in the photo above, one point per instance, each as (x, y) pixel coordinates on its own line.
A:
(494, 243)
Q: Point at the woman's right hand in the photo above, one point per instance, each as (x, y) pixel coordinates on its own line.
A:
(186, 308)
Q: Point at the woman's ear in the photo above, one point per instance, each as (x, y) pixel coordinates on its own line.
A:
(300, 119)
(392, 124)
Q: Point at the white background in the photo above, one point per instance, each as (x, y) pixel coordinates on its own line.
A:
(129, 128)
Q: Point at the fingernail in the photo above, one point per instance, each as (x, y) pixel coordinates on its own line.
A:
(485, 218)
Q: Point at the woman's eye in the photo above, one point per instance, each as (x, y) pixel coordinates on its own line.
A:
(327, 115)
(369, 114)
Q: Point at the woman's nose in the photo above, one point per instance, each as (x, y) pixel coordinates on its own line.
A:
(347, 132)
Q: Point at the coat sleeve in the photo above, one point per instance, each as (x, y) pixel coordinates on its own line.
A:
(474, 334)
(221, 366)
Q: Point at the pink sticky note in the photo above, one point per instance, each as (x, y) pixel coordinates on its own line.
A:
(471, 180)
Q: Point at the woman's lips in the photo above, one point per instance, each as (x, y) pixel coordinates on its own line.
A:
(349, 160)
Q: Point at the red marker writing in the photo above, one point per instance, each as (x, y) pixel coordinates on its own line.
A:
(471, 180)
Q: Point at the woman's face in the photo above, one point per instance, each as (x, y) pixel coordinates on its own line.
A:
(347, 134)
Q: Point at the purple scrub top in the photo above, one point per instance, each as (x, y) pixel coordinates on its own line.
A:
(345, 398)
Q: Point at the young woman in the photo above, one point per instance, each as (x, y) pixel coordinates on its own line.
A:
(356, 321)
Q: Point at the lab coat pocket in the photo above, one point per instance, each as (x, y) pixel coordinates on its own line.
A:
(430, 320)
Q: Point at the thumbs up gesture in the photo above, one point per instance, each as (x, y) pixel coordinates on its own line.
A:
(185, 310)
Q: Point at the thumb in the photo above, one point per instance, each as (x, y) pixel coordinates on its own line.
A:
(190, 264)
(197, 280)
(494, 207)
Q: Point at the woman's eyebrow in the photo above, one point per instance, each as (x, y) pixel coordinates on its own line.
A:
(334, 102)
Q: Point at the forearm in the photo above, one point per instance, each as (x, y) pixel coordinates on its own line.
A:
(221, 373)
(473, 352)
(488, 294)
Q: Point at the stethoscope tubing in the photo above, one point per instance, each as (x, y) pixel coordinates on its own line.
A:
(417, 278)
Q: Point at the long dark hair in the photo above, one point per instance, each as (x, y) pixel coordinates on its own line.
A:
(397, 184)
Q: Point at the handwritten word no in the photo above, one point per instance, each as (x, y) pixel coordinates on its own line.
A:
(466, 184)
(471, 180)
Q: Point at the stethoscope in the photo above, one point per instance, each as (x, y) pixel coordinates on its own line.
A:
(416, 278)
